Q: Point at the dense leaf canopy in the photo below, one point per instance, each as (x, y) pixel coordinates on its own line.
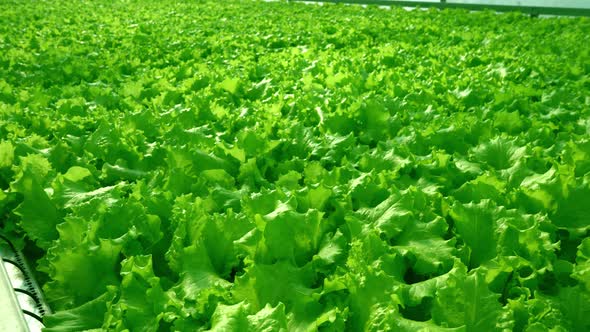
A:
(270, 166)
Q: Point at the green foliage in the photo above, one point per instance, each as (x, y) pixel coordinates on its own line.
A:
(274, 166)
